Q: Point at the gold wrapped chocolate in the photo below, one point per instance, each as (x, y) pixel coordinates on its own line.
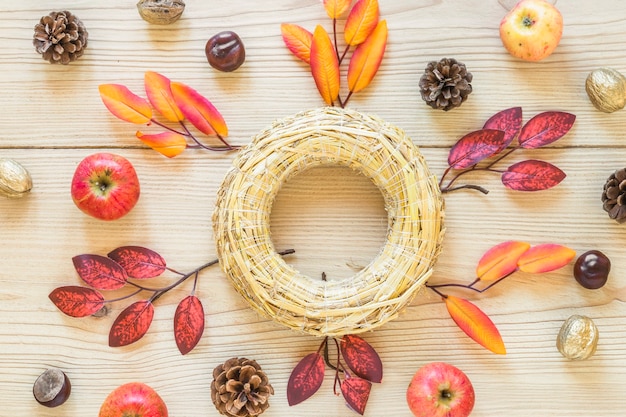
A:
(578, 338)
(15, 181)
(161, 12)
(606, 89)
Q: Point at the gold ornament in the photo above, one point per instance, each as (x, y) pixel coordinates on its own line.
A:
(606, 89)
(578, 338)
(15, 181)
(161, 12)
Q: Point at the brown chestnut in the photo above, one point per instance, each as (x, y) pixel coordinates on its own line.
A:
(52, 388)
(225, 51)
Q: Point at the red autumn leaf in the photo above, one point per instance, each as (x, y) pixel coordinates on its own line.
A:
(545, 258)
(361, 357)
(100, 272)
(200, 112)
(169, 144)
(139, 262)
(324, 65)
(335, 8)
(188, 323)
(305, 379)
(500, 260)
(356, 392)
(545, 128)
(361, 21)
(532, 175)
(124, 104)
(160, 96)
(474, 147)
(475, 324)
(367, 58)
(509, 121)
(298, 40)
(77, 301)
(131, 324)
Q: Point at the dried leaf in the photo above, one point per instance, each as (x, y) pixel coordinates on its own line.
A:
(124, 104)
(131, 324)
(324, 65)
(545, 128)
(474, 147)
(77, 301)
(139, 262)
(200, 112)
(509, 121)
(545, 258)
(188, 323)
(160, 96)
(356, 392)
(361, 21)
(532, 175)
(475, 324)
(305, 379)
(500, 260)
(361, 357)
(169, 144)
(100, 272)
(298, 40)
(335, 8)
(367, 58)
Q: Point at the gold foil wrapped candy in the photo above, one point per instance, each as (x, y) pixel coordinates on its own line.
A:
(606, 89)
(578, 338)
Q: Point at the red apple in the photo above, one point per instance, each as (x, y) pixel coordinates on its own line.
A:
(134, 399)
(531, 30)
(105, 186)
(439, 389)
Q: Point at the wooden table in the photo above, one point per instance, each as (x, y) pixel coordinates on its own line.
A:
(53, 117)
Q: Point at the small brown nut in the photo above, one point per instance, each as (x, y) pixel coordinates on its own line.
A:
(161, 12)
(606, 89)
(15, 181)
(578, 338)
(52, 388)
(225, 51)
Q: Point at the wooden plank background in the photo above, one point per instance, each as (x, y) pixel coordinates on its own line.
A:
(52, 117)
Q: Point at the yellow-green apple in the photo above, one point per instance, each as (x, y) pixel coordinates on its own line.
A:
(531, 30)
(134, 399)
(439, 389)
(105, 186)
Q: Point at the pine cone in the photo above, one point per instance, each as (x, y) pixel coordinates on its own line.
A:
(445, 84)
(60, 37)
(613, 200)
(240, 388)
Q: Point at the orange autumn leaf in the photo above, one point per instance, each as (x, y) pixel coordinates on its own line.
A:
(124, 104)
(198, 110)
(367, 58)
(324, 65)
(476, 324)
(298, 40)
(500, 260)
(169, 144)
(545, 258)
(335, 8)
(361, 21)
(160, 96)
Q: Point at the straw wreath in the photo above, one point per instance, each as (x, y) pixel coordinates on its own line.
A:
(329, 136)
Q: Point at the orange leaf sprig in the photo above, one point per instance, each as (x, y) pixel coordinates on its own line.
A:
(364, 34)
(498, 263)
(175, 102)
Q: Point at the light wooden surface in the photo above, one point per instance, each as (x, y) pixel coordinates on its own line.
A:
(52, 117)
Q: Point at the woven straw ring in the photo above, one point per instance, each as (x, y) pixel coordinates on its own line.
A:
(329, 136)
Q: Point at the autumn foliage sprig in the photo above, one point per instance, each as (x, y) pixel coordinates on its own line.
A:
(364, 33)
(491, 144)
(175, 102)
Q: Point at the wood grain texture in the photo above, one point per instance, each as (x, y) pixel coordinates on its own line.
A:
(52, 117)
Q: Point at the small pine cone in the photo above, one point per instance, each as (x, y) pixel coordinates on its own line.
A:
(60, 37)
(240, 388)
(445, 84)
(613, 196)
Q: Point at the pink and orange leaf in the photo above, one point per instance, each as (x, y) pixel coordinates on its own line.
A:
(361, 358)
(545, 128)
(356, 392)
(335, 8)
(160, 96)
(139, 262)
(500, 260)
(131, 324)
(100, 272)
(532, 175)
(366, 58)
(509, 121)
(188, 323)
(77, 301)
(305, 379)
(169, 144)
(324, 65)
(474, 147)
(124, 104)
(546, 257)
(198, 110)
(298, 40)
(361, 21)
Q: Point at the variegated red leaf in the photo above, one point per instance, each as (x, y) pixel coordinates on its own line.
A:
(545, 128)
(335, 8)
(476, 324)
(77, 301)
(361, 21)
(532, 175)
(100, 272)
(160, 96)
(509, 121)
(500, 260)
(474, 147)
(168, 144)
(356, 392)
(124, 104)
(361, 358)
(131, 324)
(305, 379)
(139, 262)
(188, 323)
(546, 257)
(324, 65)
(367, 58)
(198, 110)
(298, 40)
